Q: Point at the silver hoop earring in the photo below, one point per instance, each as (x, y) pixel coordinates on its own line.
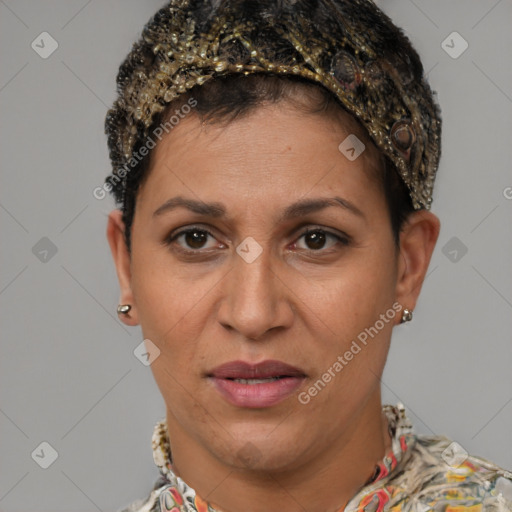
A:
(406, 315)
(123, 309)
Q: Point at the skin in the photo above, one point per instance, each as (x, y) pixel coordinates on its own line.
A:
(298, 302)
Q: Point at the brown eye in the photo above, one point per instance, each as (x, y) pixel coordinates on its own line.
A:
(195, 238)
(192, 239)
(315, 240)
(318, 239)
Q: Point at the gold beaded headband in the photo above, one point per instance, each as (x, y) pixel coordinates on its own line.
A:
(348, 46)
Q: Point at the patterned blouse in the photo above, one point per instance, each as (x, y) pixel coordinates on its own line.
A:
(418, 474)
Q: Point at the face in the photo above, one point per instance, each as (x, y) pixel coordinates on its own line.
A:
(274, 246)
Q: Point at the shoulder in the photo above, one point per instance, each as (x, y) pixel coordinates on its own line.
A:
(447, 477)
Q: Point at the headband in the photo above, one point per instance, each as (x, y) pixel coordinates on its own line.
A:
(348, 46)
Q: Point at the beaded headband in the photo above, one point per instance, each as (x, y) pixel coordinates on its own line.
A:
(348, 46)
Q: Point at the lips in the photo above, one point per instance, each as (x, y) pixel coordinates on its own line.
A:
(256, 385)
(263, 370)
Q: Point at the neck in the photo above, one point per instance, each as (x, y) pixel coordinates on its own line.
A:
(325, 482)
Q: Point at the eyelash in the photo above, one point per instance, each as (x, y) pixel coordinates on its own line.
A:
(169, 240)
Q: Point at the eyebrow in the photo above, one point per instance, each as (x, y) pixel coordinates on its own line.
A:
(297, 209)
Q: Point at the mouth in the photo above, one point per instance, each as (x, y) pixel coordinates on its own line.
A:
(256, 386)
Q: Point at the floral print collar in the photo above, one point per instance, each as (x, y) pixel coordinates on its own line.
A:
(177, 496)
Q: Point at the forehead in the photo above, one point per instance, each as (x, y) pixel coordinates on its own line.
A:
(271, 153)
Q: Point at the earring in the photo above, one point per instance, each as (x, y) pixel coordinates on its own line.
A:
(406, 316)
(123, 309)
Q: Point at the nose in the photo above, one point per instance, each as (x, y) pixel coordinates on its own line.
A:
(255, 299)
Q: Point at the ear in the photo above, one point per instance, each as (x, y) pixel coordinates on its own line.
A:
(115, 236)
(417, 242)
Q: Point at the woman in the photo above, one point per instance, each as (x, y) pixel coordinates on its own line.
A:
(274, 163)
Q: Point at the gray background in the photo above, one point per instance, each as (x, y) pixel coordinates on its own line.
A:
(68, 375)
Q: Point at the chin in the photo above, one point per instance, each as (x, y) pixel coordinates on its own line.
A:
(252, 458)
(259, 451)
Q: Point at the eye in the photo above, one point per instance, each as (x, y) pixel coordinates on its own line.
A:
(317, 239)
(197, 240)
(192, 239)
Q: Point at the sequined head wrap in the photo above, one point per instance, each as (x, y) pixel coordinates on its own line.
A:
(348, 46)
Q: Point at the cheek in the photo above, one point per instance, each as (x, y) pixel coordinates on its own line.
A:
(170, 316)
(353, 295)
(168, 305)
(345, 314)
